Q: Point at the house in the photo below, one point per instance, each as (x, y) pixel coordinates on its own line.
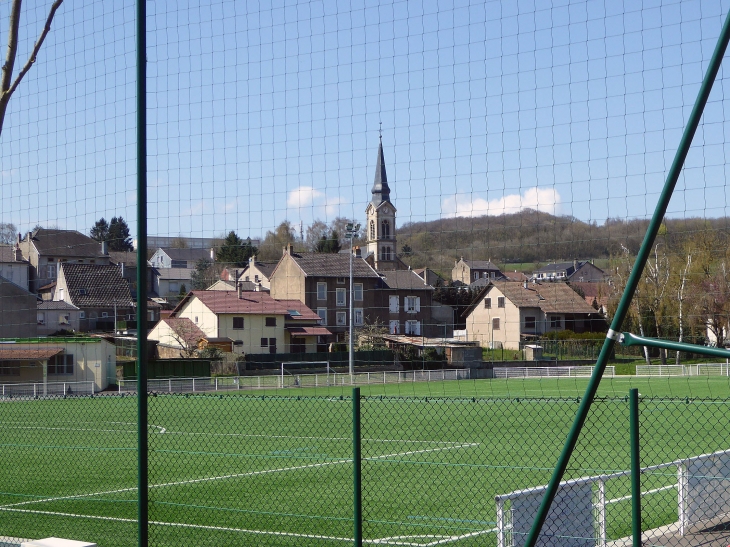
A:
(582, 271)
(507, 314)
(45, 249)
(53, 316)
(168, 257)
(257, 272)
(398, 299)
(171, 282)
(222, 285)
(100, 293)
(468, 271)
(17, 310)
(253, 322)
(48, 361)
(13, 267)
(429, 276)
(127, 262)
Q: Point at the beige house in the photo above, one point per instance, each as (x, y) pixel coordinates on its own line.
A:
(57, 360)
(253, 321)
(507, 314)
(258, 273)
(469, 271)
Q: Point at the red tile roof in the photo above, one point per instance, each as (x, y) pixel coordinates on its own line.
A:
(249, 303)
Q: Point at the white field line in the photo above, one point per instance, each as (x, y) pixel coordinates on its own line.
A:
(383, 541)
(239, 475)
(653, 491)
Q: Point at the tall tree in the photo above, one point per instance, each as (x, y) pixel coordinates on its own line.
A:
(314, 234)
(7, 84)
(8, 233)
(100, 230)
(119, 238)
(328, 243)
(203, 276)
(235, 251)
(275, 241)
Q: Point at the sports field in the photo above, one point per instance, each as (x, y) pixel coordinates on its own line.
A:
(276, 468)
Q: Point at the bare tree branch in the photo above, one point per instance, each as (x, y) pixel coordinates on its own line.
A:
(6, 88)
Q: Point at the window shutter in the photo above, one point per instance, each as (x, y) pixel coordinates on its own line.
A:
(418, 303)
(417, 328)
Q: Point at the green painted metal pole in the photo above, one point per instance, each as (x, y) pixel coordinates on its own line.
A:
(633, 281)
(142, 459)
(356, 467)
(628, 339)
(635, 467)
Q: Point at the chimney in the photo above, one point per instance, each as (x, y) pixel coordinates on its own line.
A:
(524, 284)
(212, 254)
(358, 252)
(18, 253)
(288, 250)
(251, 261)
(575, 264)
(258, 286)
(240, 290)
(121, 268)
(104, 249)
(20, 237)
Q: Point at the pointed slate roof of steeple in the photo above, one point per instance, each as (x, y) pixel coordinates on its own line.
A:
(381, 190)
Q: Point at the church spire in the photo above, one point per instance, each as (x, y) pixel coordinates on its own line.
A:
(381, 190)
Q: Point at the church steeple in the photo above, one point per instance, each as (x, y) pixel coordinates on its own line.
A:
(381, 241)
(381, 190)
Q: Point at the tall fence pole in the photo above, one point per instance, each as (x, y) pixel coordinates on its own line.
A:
(635, 467)
(142, 456)
(356, 468)
(632, 282)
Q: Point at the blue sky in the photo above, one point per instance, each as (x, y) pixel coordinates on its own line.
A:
(261, 112)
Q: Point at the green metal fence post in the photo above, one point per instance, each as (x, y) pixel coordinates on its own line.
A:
(632, 282)
(635, 467)
(356, 467)
(142, 478)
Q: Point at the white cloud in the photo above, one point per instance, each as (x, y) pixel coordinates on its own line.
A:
(546, 200)
(302, 197)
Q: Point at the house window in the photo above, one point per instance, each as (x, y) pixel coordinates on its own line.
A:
(413, 304)
(196, 319)
(530, 323)
(488, 303)
(264, 342)
(60, 294)
(256, 278)
(341, 319)
(248, 278)
(476, 276)
(238, 323)
(495, 323)
(385, 230)
(82, 314)
(104, 314)
(393, 306)
(173, 286)
(9, 368)
(341, 299)
(41, 316)
(178, 264)
(394, 326)
(340, 280)
(359, 319)
(61, 364)
(272, 345)
(51, 271)
(556, 322)
(357, 290)
(413, 327)
(500, 302)
(322, 312)
(321, 291)
(271, 321)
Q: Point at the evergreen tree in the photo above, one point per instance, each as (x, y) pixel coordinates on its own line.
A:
(119, 239)
(100, 230)
(235, 251)
(200, 277)
(328, 243)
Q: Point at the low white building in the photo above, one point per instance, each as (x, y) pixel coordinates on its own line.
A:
(57, 360)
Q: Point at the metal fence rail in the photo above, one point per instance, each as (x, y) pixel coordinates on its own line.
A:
(39, 389)
(551, 372)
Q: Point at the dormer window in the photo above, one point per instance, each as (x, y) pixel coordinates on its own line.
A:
(82, 292)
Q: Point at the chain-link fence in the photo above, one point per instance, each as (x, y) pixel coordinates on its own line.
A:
(232, 469)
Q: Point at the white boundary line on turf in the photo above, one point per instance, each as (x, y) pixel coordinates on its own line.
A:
(240, 475)
(398, 540)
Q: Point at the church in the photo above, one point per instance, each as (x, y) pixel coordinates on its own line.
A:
(380, 226)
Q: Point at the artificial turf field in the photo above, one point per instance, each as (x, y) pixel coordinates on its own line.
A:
(275, 468)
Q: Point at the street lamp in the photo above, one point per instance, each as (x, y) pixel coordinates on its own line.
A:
(351, 230)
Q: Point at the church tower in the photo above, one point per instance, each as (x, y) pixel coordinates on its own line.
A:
(381, 243)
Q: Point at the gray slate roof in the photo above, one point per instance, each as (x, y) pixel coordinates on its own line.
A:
(559, 267)
(65, 243)
(481, 264)
(96, 285)
(55, 305)
(405, 279)
(380, 190)
(333, 265)
(128, 257)
(186, 254)
(180, 274)
(7, 254)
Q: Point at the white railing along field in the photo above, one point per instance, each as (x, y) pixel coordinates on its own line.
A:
(38, 389)
(550, 372)
(700, 369)
(236, 383)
